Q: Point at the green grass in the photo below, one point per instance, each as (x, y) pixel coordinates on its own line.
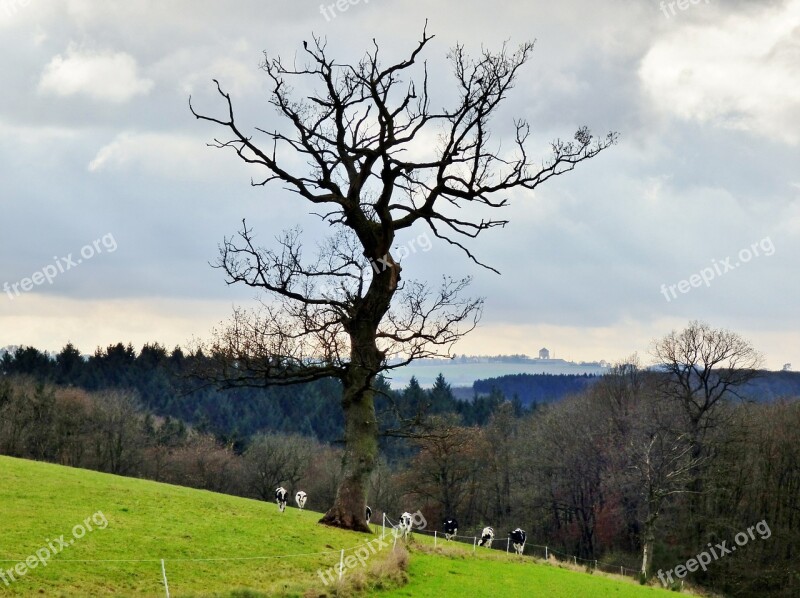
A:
(148, 521)
(432, 575)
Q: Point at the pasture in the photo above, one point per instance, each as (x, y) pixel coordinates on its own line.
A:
(218, 545)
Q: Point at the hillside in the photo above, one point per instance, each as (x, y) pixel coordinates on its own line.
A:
(536, 388)
(465, 373)
(218, 545)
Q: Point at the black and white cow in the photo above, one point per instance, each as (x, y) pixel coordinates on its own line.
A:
(450, 526)
(404, 527)
(518, 540)
(281, 496)
(300, 498)
(487, 535)
(368, 513)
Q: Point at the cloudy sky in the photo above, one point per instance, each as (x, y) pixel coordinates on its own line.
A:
(108, 191)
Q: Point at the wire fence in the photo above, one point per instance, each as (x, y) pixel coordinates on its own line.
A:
(498, 544)
(341, 552)
(505, 543)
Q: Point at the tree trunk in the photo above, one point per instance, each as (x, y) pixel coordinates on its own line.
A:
(360, 422)
(360, 454)
(647, 552)
(649, 536)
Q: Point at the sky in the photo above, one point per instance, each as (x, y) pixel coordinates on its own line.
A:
(112, 206)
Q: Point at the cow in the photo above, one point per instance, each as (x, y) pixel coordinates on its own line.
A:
(518, 540)
(450, 526)
(300, 498)
(404, 527)
(281, 496)
(368, 513)
(487, 535)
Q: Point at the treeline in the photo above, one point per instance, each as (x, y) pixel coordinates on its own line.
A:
(535, 389)
(108, 431)
(161, 382)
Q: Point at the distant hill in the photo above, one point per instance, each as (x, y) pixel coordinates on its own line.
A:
(536, 388)
(774, 385)
(546, 388)
(464, 371)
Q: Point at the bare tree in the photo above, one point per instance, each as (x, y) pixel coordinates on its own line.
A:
(447, 466)
(659, 464)
(274, 459)
(345, 313)
(118, 435)
(704, 366)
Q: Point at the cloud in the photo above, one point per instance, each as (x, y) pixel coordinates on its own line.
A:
(107, 143)
(740, 72)
(165, 155)
(101, 75)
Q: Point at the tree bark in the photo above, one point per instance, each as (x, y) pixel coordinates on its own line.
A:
(647, 548)
(361, 440)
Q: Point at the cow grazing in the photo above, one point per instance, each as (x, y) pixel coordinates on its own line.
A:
(450, 526)
(300, 499)
(518, 540)
(487, 535)
(281, 496)
(368, 513)
(404, 527)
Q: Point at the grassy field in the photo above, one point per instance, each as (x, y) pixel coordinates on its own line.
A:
(136, 523)
(434, 576)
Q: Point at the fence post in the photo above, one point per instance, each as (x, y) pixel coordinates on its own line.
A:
(474, 540)
(383, 527)
(434, 538)
(575, 560)
(621, 572)
(595, 563)
(508, 543)
(164, 575)
(545, 554)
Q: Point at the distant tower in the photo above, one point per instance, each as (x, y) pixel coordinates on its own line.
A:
(787, 367)
(544, 354)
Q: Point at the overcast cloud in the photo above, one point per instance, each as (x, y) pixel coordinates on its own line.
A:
(96, 138)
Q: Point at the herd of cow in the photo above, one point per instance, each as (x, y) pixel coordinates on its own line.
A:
(449, 525)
